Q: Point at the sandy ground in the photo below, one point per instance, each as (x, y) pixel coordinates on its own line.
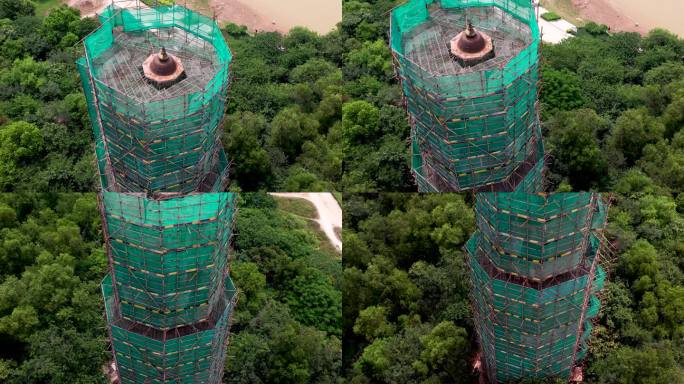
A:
(90, 8)
(603, 12)
(263, 15)
(329, 213)
(668, 14)
(274, 15)
(236, 12)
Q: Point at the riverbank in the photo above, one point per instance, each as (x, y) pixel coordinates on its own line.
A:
(263, 15)
(622, 15)
(274, 15)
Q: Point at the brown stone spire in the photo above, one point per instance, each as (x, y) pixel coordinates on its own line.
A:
(471, 46)
(162, 70)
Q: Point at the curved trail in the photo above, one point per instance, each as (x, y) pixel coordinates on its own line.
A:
(329, 213)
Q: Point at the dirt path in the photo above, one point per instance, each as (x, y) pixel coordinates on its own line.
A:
(329, 213)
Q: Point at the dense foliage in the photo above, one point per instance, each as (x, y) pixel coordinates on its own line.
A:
(410, 322)
(613, 113)
(282, 131)
(45, 139)
(375, 128)
(288, 323)
(51, 312)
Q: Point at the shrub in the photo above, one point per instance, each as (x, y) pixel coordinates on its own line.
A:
(550, 16)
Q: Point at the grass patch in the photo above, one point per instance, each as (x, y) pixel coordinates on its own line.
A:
(299, 207)
(324, 244)
(550, 16)
(153, 3)
(304, 209)
(338, 197)
(564, 9)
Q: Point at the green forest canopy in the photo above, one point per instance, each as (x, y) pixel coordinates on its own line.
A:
(612, 109)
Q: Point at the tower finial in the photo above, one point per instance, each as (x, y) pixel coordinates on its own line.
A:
(470, 30)
(163, 56)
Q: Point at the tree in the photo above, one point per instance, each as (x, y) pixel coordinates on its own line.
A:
(653, 364)
(673, 116)
(242, 140)
(661, 38)
(315, 302)
(13, 9)
(19, 142)
(640, 264)
(252, 285)
(664, 164)
(276, 349)
(312, 71)
(561, 89)
(290, 128)
(574, 145)
(372, 323)
(372, 58)
(59, 23)
(664, 74)
(633, 130)
(446, 347)
(359, 123)
(63, 355)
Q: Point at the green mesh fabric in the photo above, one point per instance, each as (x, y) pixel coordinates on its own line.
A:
(157, 140)
(474, 126)
(533, 182)
(193, 357)
(537, 235)
(530, 181)
(527, 332)
(169, 298)
(535, 273)
(169, 257)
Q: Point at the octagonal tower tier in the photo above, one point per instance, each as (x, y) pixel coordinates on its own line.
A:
(469, 73)
(156, 82)
(169, 257)
(536, 270)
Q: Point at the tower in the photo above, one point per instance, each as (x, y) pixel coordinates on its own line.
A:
(168, 298)
(156, 81)
(469, 71)
(536, 266)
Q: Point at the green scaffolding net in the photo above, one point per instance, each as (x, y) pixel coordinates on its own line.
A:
(538, 236)
(190, 355)
(150, 139)
(532, 331)
(169, 257)
(535, 272)
(473, 126)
